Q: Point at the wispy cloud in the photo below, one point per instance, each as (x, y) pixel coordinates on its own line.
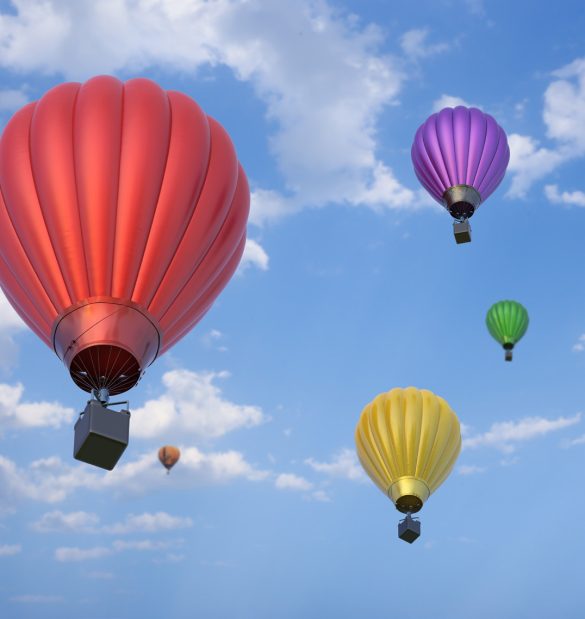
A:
(579, 345)
(289, 481)
(344, 464)
(57, 521)
(569, 198)
(254, 255)
(415, 45)
(470, 469)
(9, 550)
(74, 554)
(450, 101)
(84, 522)
(505, 435)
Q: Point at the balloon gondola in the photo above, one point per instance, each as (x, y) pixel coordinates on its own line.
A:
(407, 441)
(507, 322)
(460, 156)
(123, 214)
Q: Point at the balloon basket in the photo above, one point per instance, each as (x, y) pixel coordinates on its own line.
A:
(462, 231)
(409, 529)
(101, 435)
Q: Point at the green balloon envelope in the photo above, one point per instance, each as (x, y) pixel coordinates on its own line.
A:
(507, 322)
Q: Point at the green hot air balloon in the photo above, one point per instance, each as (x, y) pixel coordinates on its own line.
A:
(507, 322)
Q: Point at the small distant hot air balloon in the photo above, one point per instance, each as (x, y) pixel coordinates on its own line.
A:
(169, 456)
(507, 322)
(460, 156)
(408, 440)
(123, 212)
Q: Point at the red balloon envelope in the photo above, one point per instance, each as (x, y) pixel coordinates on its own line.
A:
(122, 216)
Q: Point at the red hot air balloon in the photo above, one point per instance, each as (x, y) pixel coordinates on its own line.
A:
(123, 215)
(460, 156)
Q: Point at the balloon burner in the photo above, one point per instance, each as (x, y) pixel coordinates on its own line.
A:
(409, 529)
(101, 433)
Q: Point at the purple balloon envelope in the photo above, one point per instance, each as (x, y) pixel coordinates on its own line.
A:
(460, 156)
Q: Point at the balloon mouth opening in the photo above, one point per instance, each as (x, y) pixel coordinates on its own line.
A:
(409, 503)
(461, 210)
(105, 366)
(508, 346)
(461, 201)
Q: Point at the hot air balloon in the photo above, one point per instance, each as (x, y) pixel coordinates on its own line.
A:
(408, 440)
(122, 217)
(460, 156)
(507, 322)
(169, 456)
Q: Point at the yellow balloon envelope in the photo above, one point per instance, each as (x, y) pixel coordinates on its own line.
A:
(408, 440)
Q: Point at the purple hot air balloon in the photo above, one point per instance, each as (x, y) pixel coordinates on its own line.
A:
(460, 156)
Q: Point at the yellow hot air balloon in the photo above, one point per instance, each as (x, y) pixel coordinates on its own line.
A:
(408, 440)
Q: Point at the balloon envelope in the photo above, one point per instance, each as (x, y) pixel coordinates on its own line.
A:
(408, 440)
(122, 217)
(460, 147)
(169, 456)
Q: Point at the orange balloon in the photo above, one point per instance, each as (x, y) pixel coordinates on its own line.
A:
(169, 456)
(123, 215)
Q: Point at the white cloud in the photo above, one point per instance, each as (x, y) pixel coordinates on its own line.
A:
(450, 101)
(470, 469)
(51, 480)
(66, 554)
(48, 480)
(530, 162)
(579, 345)
(254, 255)
(571, 198)
(504, 435)
(9, 550)
(344, 464)
(192, 404)
(57, 521)
(17, 414)
(84, 522)
(150, 523)
(289, 481)
(219, 467)
(317, 69)
(564, 118)
(414, 44)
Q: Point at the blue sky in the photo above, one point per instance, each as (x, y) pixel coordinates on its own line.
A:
(351, 284)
